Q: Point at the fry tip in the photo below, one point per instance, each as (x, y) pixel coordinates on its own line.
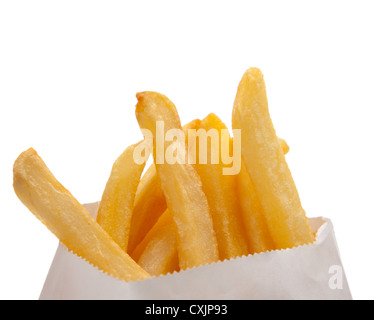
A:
(140, 95)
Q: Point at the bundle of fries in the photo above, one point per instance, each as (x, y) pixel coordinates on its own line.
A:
(190, 208)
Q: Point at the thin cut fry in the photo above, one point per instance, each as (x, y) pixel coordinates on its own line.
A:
(150, 201)
(220, 191)
(197, 243)
(63, 215)
(266, 164)
(161, 255)
(164, 220)
(157, 253)
(257, 232)
(117, 202)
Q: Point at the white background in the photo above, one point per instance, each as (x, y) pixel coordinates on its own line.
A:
(69, 72)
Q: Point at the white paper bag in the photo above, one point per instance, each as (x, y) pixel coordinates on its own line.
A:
(312, 271)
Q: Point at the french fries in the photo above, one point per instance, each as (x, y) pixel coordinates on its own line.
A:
(157, 253)
(220, 191)
(117, 202)
(150, 201)
(266, 164)
(64, 216)
(161, 254)
(254, 219)
(183, 212)
(197, 243)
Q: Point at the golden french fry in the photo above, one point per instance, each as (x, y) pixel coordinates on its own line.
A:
(150, 201)
(257, 232)
(161, 254)
(197, 243)
(220, 191)
(266, 164)
(164, 220)
(117, 202)
(63, 215)
(254, 219)
(157, 253)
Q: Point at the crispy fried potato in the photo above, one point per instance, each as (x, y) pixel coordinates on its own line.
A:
(157, 253)
(150, 201)
(257, 232)
(117, 202)
(266, 164)
(64, 216)
(161, 254)
(165, 219)
(197, 243)
(220, 191)
(254, 219)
